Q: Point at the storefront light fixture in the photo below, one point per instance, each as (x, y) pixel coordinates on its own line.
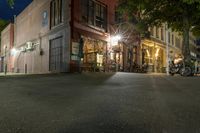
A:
(157, 51)
(148, 54)
(5, 47)
(14, 51)
(115, 39)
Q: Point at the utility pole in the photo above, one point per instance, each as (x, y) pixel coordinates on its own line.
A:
(167, 49)
(5, 60)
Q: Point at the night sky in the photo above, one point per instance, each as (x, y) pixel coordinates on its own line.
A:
(7, 13)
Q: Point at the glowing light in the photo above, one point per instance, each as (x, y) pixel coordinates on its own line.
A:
(5, 47)
(157, 51)
(14, 51)
(148, 54)
(115, 40)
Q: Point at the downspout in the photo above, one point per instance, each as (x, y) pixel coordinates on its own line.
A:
(71, 30)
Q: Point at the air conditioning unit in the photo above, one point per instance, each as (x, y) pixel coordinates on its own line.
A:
(29, 46)
(23, 49)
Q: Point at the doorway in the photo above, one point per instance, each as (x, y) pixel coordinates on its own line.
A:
(55, 55)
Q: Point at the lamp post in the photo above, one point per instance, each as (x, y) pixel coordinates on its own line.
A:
(5, 60)
(114, 40)
(167, 50)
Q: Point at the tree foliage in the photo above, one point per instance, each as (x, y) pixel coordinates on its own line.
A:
(3, 24)
(11, 2)
(180, 15)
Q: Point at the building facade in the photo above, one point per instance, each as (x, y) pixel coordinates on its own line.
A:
(7, 43)
(42, 37)
(162, 46)
(91, 21)
(67, 36)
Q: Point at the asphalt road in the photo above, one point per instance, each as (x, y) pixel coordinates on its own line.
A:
(100, 103)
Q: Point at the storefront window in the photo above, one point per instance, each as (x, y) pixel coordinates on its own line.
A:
(99, 59)
(153, 56)
(94, 52)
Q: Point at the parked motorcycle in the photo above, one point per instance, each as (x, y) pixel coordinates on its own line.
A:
(179, 67)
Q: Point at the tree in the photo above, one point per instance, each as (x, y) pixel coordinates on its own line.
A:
(133, 27)
(11, 2)
(3, 24)
(129, 38)
(181, 15)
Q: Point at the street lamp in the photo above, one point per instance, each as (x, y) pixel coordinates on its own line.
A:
(114, 40)
(14, 51)
(5, 60)
(167, 49)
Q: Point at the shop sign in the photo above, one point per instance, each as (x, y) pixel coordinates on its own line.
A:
(75, 48)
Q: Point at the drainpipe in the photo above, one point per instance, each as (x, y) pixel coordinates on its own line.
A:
(71, 6)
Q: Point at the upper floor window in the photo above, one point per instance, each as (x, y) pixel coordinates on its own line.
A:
(56, 12)
(178, 42)
(152, 31)
(157, 32)
(97, 14)
(162, 34)
(172, 39)
(118, 16)
(169, 37)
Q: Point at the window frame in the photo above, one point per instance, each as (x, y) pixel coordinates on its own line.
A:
(56, 13)
(157, 32)
(96, 15)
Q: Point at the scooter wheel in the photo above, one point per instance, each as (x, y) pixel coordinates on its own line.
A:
(186, 71)
(172, 74)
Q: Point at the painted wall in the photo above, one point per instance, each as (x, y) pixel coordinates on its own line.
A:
(7, 41)
(33, 25)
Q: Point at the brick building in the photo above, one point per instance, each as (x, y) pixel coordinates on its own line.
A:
(42, 37)
(64, 35)
(91, 21)
(7, 43)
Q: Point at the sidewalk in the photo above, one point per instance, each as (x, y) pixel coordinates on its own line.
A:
(2, 74)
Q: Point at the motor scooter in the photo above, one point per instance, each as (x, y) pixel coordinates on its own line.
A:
(178, 66)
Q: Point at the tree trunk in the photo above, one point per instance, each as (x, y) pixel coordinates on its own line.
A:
(185, 46)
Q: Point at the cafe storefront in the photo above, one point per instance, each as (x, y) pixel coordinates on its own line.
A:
(153, 54)
(94, 54)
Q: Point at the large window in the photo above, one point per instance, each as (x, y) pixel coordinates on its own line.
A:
(169, 37)
(172, 39)
(178, 42)
(97, 14)
(118, 16)
(157, 32)
(162, 33)
(56, 12)
(152, 31)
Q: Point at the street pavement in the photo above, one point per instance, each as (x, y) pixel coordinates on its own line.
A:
(99, 103)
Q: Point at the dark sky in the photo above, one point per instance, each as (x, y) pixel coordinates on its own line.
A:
(7, 13)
